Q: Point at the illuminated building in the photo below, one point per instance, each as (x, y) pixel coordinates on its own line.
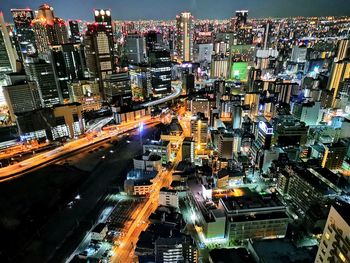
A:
(240, 19)
(99, 53)
(118, 88)
(254, 216)
(236, 112)
(263, 141)
(307, 112)
(175, 249)
(199, 130)
(339, 72)
(22, 19)
(42, 73)
(334, 156)
(154, 40)
(188, 83)
(169, 197)
(184, 36)
(148, 162)
(161, 148)
(8, 53)
(225, 145)
(104, 17)
(203, 53)
(60, 121)
(219, 67)
(159, 60)
(85, 92)
(21, 95)
(200, 105)
(289, 131)
(307, 186)
(299, 54)
(141, 85)
(48, 29)
(188, 149)
(68, 63)
(75, 36)
(343, 49)
(335, 243)
(135, 47)
(284, 89)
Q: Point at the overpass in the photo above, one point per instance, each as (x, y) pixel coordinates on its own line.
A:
(177, 89)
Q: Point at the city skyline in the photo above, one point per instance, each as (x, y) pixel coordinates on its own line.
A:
(205, 9)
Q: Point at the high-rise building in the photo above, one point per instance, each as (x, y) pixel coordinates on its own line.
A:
(335, 243)
(240, 19)
(159, 60)
(154, 40)
(43, 74)
(74, 32)
(22, 19)
(135, 47)
(118, 88)
(104, 17)
(8, 55)
(68, 63)
(225, 145)
(199, 130)
(141, 83)
(343, 49)
(99, 53)
(339, 72)
(307, 112)
(21, 95)
(184, 36)
(48, 29)
(334, 156)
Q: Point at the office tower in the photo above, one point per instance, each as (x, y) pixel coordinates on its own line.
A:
(68, 64)
(188, 83)
(334, 156)
(184, 36)
(307, 112)
(339, 72)
(48, 29)
(335, 243)
(219, 67)
(74, 32)
(104, 17)
(99, 53)
(22, 19)
(175, 249)
(254, 77)
(85, 92)
(263, 141)
(160, 63)
(135, 46)
(289, 131)
(284, 89)
(343, 49)
(240, 19)
(225, 145)
(42, 73)
(20, 94)
(203, 53)
(236, 112)
(188, 149)
(141, 83)
(8, 55)
(154, 40)
(118, 89)
(299, 54)
(199, 130)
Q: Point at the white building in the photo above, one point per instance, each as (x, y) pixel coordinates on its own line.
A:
(335, 242)
(169, 198)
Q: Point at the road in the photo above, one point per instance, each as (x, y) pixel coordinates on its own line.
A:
(37, 161)
(124, 252)
(50, 243)
(177, 89)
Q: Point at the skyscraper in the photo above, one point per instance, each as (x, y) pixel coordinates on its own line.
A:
(184, 36)
(42, 73)
(99, 53)
(340, 71)
(22, 19)
(48, 29)
(74, 31)
(135, 46)
(104, 17)
(8, 54)
(160, 71)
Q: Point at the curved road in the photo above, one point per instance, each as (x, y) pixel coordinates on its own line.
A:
(177, 88)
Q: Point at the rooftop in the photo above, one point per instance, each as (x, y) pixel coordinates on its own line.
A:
(236, 255)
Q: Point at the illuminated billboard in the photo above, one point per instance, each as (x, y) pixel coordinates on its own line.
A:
(239, 71)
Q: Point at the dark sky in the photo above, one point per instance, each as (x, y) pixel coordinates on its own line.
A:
(167, 9)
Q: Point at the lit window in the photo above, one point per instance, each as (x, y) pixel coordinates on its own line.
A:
(327, 236)
(342, 257)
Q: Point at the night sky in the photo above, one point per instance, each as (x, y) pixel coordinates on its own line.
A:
(167, 9)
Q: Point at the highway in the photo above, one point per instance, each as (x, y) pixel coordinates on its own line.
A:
(37, 161)
(177, 89)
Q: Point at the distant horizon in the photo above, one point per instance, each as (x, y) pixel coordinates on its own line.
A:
(166, 10)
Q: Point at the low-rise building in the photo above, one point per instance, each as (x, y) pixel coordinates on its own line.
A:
(148, 162)
(161, 148)
(169, 197)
